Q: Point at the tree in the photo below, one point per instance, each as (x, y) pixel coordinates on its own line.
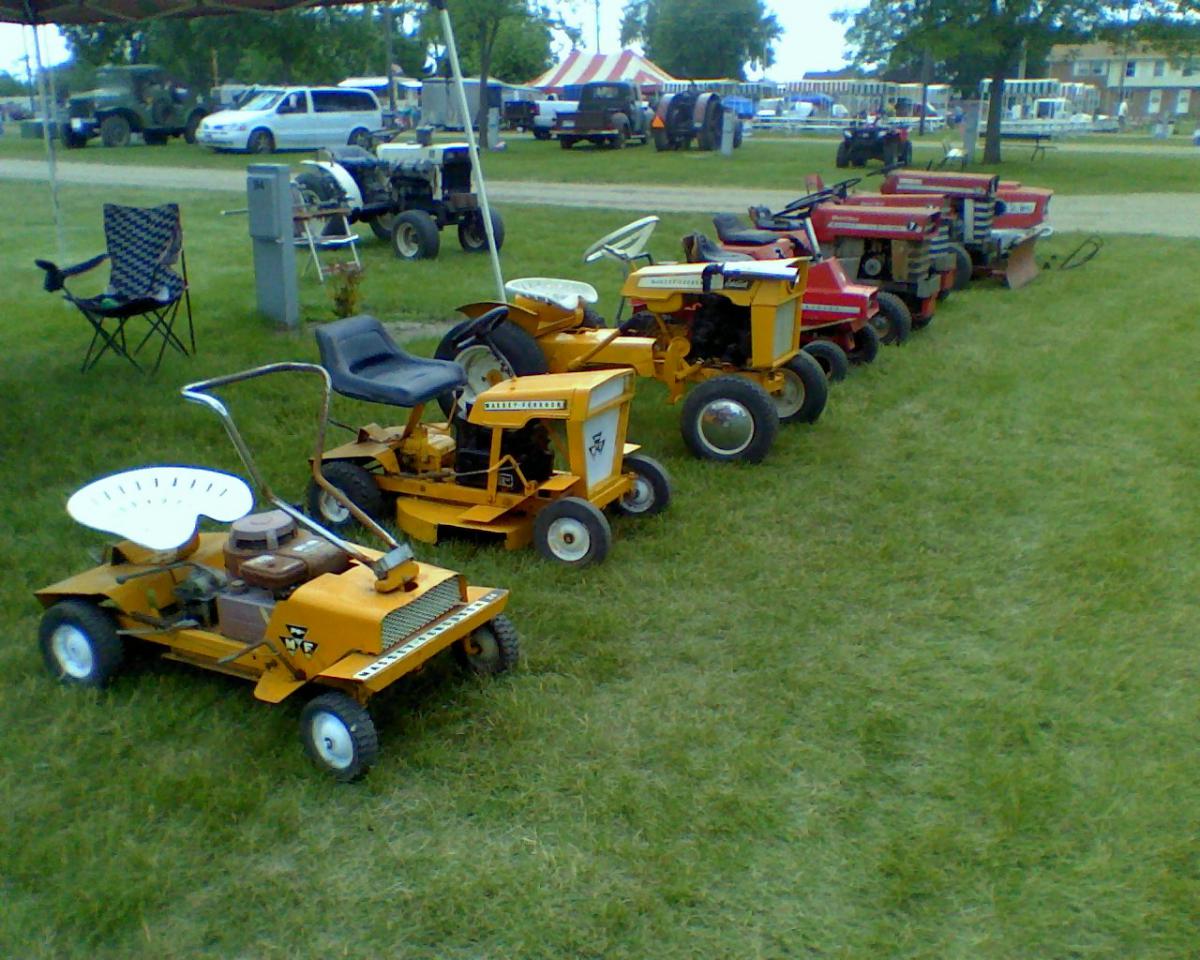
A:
(981, 38)
(702, 38)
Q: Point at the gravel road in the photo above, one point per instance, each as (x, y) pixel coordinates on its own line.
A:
(1164, 214)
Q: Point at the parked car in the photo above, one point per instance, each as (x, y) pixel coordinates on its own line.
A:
(292, 118)
(133, 99)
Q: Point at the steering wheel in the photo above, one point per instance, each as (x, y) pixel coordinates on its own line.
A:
(842, 187)
(624, 243)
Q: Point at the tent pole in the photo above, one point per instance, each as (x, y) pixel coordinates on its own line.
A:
(448, 33)
(50, 151)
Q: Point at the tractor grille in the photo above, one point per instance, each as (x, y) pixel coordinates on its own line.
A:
(920, 262)
(407, 620)
(980, 214)
(940, 243)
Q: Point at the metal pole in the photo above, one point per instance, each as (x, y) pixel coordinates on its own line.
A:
(389, 55)
(448, 33)
(51, 156)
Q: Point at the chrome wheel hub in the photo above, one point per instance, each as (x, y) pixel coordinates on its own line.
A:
(73, 651)
(332, 740)
(726, 426)
(568, 539)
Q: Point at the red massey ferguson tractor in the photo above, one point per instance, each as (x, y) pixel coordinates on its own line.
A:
(1000, 241)
(840, 322)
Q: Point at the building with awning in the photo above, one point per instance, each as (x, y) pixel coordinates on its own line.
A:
(579, 67)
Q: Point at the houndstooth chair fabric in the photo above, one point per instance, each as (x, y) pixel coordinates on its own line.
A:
(143, 244)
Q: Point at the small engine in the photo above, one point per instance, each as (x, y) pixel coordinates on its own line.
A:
(720, 330)
(529, 446)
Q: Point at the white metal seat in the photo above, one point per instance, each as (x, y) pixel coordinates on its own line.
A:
(565, 294)
(319, 226)
(159, 507)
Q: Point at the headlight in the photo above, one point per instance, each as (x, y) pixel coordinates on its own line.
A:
(240, 126)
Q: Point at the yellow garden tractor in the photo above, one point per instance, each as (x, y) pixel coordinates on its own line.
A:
(276, 599)
(494, 468)
(730, 331)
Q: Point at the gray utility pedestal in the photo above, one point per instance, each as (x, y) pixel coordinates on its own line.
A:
(269, 202)
(728, 127)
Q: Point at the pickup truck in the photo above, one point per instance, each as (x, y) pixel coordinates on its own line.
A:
(609, 114)
(546, 114)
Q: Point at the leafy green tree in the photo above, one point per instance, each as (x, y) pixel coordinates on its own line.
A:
(702, 38)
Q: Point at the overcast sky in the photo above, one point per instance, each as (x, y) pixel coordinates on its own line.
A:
(811, 40)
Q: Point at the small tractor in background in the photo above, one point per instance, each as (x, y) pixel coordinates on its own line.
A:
(406, 192)
(1000, 244)
(690, 116)
(874, 141)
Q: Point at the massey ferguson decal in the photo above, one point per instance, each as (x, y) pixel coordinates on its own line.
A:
(597, 445)
(294, 642)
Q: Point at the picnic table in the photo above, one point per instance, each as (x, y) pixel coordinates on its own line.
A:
(1040, 142)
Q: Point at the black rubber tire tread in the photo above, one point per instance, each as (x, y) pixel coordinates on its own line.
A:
(866, 345)
(656, 475)
(518, 347)
(357, 483)
(662, 143)
(587, 513)
(382, 226)
(360, 137)
(816, 389)
(899, 318)
(260, 141)
(101, 630)
(429, 239)
(738, 133)
(618, 142)
(508, 648)
(320, 184)
(843, 155)
(362, 731)
(193, 124)
(831, 357)
(154, 138)
(749, 394)
(471, 232)
(964, 266)
(115, 131)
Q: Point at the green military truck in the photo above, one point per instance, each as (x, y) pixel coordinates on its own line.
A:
(128, 100)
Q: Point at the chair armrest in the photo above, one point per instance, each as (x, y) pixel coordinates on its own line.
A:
(55, 276)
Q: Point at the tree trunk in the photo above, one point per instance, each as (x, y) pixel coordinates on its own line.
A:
(485, 64)
(991, 141)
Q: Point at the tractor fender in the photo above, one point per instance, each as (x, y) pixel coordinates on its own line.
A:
(663, 108)
(344, 181)
(473, 311)
(701, 109)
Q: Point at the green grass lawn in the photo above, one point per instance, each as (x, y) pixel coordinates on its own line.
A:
(922, 684)
(771, 163)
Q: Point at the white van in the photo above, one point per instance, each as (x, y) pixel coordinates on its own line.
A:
(294, 118)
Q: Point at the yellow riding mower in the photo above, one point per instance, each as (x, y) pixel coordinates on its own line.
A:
(276, 599)
(730, 330)
(491, 469)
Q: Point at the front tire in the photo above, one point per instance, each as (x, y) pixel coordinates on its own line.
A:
(360, 137)
(193, 124)
(472, 236)
(893, 323)
(115, 131)
(261, 141)
(963, 267)
(520, 352)
(866, 345)
(572, 531)
(729, 418)
(80, 643)
(339, 735)
(843, 155)
(651, 491)
(831, 357)
(805, 391)
(415, 236)
(491, 649)
(359, 486)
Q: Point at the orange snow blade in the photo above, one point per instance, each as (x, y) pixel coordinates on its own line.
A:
(1021, 267)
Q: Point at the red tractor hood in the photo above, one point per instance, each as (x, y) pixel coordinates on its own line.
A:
(975, 186)
(913, 222)
(1024, 207)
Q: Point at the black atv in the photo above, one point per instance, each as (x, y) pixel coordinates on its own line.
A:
(874, 141)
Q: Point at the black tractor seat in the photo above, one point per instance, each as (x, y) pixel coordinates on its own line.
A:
(351, 156)
(364, 363)
(731, 230)
(698, 248)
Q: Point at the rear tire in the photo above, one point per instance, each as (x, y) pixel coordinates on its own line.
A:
(261, 141)
(805, 393)
(472, 237)
(193, 124)
(893, 323)
(843, 155)
(339, 735)
(360, 137)
(415, 236)
(831, 357)
(729, 418)
(520, 351)
(866, 345)
(80, 643)
(359, 486)
(572, 531)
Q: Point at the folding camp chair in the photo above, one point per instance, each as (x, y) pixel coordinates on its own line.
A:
(144, 244)
(321, 225)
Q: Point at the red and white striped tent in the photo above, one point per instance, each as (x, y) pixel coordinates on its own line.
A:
(581, 67)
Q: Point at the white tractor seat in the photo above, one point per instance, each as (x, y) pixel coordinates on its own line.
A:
(565, 294)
